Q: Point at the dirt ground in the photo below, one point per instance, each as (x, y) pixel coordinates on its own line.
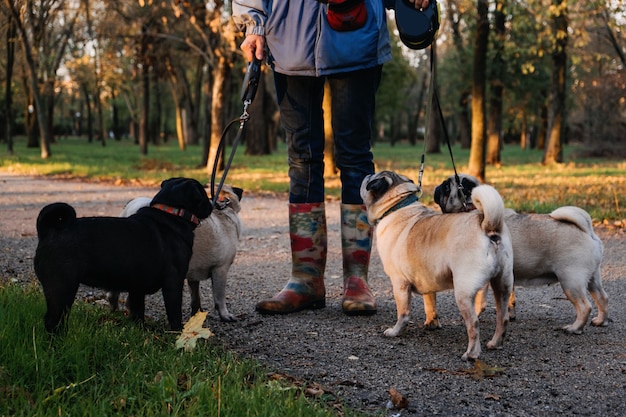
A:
(541, 371)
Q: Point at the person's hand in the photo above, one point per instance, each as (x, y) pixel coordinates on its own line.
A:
(420, 4)
(253, 46)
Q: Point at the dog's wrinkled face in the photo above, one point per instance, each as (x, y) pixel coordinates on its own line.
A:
(383, 190)
(184, 193)
(449, 195)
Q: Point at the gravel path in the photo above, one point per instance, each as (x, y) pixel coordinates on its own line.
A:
(541, 371)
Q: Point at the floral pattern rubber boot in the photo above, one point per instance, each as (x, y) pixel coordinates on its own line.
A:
(305, 289)
(356, 248)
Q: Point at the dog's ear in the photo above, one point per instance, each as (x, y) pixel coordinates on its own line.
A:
(171, 181)
(203, 205)
(238, 192)
(442, 191)
(468, 186)
(378, 187)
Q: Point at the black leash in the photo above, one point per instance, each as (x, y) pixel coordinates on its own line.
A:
(248, 91)
(442, 121)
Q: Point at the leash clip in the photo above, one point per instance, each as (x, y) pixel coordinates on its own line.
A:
(419, 178)
(460, 190)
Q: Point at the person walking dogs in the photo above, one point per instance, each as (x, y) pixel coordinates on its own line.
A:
(306, 43)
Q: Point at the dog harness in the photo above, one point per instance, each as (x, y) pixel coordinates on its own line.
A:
(408, 200)
(178, 212)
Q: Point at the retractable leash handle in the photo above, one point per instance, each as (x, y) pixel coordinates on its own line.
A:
(251, 82)
(248, 91)
(417, 27)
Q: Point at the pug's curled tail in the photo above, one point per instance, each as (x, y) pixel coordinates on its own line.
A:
(575, 215)
(54, 217)
(488, 201)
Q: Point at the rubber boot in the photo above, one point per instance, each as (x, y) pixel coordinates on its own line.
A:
(356, 247)
(305, 289)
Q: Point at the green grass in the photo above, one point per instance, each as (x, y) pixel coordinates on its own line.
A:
(595, 184)
(106, 365)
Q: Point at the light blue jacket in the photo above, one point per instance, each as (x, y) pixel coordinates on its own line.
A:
(301, 42)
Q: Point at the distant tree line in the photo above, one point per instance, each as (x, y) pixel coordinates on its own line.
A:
(534, 72)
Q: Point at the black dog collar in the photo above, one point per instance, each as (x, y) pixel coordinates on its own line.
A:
(408, 200)
(178, 212)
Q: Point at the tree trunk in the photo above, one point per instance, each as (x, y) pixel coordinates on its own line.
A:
(556, 115)
(38, 115)
(180, 123)
(494, 126)
(8, 95)
(89, 116)
(145, 110)
(97, 102)
(117, 131)
(207, 122)
(542, 131)
(414, 118)
(477, 151)
(330, 168)
(220, 77)
(465, 124)
(144, 119)
(433, 133)
(524, 141)
(155, 124)
(454, 18)
(100, 119)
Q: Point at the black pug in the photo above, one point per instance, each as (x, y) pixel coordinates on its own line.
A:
(139, 254)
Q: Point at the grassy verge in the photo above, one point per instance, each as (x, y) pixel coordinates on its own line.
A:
(106, 365)
(595, 184)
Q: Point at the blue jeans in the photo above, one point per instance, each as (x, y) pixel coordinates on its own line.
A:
(353, 102)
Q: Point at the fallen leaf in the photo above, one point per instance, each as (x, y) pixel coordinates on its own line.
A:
(398, 400)
(193, 331)
(481, 370)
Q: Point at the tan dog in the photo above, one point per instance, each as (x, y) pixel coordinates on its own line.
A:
(425, 251)
(214, 249)
(560, 246)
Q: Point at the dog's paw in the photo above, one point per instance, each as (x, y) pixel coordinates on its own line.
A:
(466, 357)
(598, 322)
(227, 317)
(570, 329)
(391, 332)
(432, 324)
(494, 345)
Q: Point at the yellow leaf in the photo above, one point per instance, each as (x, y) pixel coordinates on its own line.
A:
(193, 331)
(481, 370)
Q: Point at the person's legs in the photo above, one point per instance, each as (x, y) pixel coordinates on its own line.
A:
(353, 102)
(353, 97)
(300, 103)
